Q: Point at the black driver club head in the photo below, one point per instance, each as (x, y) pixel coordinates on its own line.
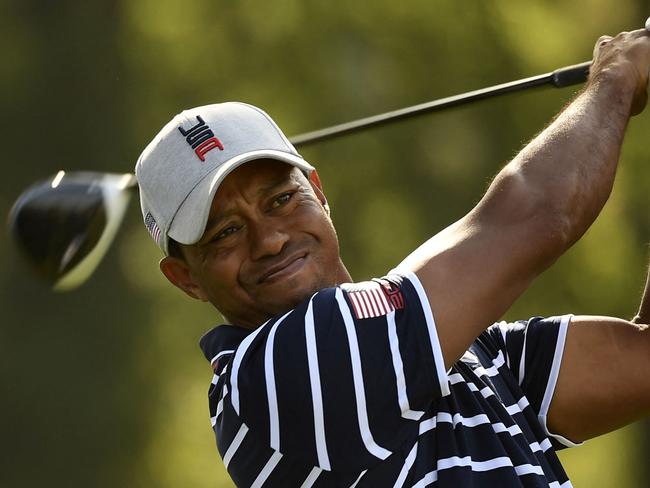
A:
(63, 225)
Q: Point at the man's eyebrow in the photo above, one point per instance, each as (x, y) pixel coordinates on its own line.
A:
(216, 219)
(270, 188)
(275, 184)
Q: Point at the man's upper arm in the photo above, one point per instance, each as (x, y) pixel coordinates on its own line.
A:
(604, 380)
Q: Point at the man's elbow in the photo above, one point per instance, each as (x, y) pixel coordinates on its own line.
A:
(560, 204)
(544, 220)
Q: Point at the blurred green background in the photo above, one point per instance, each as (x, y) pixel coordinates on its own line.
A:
(105, 386)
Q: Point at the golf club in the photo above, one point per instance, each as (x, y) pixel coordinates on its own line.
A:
(64, 225)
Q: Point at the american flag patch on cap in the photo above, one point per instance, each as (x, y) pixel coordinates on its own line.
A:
(152, 227)
(373, 298)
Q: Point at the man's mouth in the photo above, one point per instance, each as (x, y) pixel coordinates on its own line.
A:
(284, 269)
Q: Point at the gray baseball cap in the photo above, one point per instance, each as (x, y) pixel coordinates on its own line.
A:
(181, 169)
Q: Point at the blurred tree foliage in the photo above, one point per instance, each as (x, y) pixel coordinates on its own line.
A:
(105, 386)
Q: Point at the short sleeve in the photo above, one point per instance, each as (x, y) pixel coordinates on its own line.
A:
(534, 350)
(341, 380)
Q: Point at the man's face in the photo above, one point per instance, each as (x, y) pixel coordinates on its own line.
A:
(268, 245)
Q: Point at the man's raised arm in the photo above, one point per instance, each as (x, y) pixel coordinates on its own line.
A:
(538, 205)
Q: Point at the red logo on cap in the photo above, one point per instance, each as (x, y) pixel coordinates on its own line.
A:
(201, 138)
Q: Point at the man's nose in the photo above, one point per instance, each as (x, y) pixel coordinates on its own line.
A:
(268, 238)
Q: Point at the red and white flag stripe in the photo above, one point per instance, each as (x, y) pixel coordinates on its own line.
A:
(370, 300)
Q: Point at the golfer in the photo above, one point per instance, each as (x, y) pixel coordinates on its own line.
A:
(408, 379)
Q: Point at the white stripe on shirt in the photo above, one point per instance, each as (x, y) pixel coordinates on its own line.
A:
(552, 381)
(398, 366)
(236, 363)
(555, 484)
(271, 394)
(522, 362)
(267, 470)
(503, 326)
(492, 370)
(359, 478)
(357, 377)
(528, 469)
(316, 393)
(222, 353)
(456, 378)
(234, 445)
(518, 407)
(476, 420)
(513, 430)
(456, 419)
(431, 327)
(220, 404)
(408, 463)
(476, 466)
(312, 477)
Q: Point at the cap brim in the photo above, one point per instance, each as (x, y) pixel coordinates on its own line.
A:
(188, 225)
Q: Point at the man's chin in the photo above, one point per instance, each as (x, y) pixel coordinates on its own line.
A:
(292, 300)
(290, 295)
(273, 303)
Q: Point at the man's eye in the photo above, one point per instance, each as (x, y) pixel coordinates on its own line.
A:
(281, 200)
(224, 233)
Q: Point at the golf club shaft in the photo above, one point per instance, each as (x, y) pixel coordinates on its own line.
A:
(561, 77)
(567, 76)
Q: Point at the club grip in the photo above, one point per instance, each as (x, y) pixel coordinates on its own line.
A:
(571, 75)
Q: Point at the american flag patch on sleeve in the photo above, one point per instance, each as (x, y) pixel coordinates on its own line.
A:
(371, 299)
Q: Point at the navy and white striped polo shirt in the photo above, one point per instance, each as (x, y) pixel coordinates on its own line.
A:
(349, 389)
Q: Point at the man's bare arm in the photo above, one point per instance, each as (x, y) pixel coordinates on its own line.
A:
(538, 205)
(604, 380)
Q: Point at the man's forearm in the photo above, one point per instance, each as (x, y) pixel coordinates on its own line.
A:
(562, 179)
(570, 167)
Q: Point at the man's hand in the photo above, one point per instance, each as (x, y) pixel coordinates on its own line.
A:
(625, 57)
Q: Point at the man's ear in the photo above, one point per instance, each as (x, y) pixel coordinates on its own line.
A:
(314, 179)
(178, 273)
